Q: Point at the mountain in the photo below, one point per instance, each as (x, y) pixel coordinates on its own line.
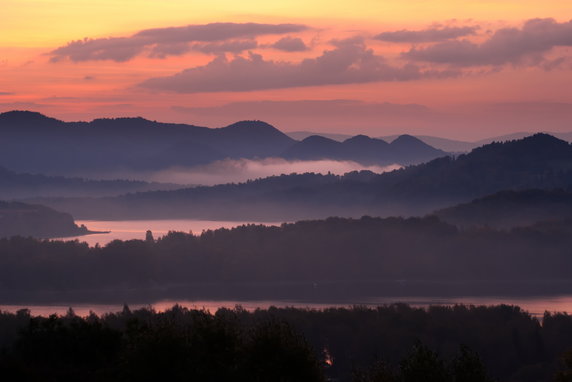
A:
(20, 219)
(248, 139)
(315, 147)
(301, 135)
(457, 146)
(405, 150)
(508, 209)
(540, 161)
(18, 185)
(410, 150)
(445, 144)
(32, 142)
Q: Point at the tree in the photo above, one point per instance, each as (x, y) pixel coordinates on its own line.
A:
(378, 372)
(423, 365)
(468, 367)
(566, 374)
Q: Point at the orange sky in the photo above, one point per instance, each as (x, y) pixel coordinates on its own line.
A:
(508, 74)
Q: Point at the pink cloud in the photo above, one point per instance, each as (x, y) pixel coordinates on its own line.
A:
(350, 62)
(168, 41)
(526, 45)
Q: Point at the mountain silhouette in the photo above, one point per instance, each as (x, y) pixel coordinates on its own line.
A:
(540, 161)
(411, 150)
(27, 120)
(248, 139)
(405, 150)
(316, 147)
(35, 143)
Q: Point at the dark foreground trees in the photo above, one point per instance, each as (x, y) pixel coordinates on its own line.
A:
(423, 364)
(394, 343)
(178, 345)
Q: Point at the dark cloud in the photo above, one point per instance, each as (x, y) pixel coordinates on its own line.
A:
(170, 49)
(349, 62)
(524, 46)
(217, 32)
(427, 35)
(233, 46)
(290, 44)
(6, 93)
(118, 49)
(168, 41)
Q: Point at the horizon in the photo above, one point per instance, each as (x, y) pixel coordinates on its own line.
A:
(464, 70)
(340, 137)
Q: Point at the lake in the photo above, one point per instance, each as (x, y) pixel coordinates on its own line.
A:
(136, 229)
(536, 305)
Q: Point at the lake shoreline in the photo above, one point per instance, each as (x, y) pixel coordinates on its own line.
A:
(535, 306)
(102, 232)
(323, 292)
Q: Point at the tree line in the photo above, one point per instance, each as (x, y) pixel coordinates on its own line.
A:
(394, 343)
(309, 253)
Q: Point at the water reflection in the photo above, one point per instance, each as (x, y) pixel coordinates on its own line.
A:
(135, 229)
(536, 306)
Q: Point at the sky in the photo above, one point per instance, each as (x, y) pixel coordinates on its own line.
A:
(461, 69)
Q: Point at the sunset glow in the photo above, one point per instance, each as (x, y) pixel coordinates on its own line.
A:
(472, 69)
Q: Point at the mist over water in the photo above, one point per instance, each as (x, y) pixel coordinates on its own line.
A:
(241, 170)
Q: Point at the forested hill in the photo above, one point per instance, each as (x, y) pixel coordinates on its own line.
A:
(340, 256)
(15, 185)
(37, 221)
(540, 161)
(508, 209)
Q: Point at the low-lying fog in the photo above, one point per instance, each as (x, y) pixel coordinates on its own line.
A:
(240, 170)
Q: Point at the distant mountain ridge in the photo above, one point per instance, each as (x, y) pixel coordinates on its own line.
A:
(404, 150)
(440, 143)
(32, 142)
(457, 146)
(540, 161)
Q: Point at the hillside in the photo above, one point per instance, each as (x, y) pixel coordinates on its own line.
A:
(540, 161)
(20, 219)
(507, 209)
(19, 185)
